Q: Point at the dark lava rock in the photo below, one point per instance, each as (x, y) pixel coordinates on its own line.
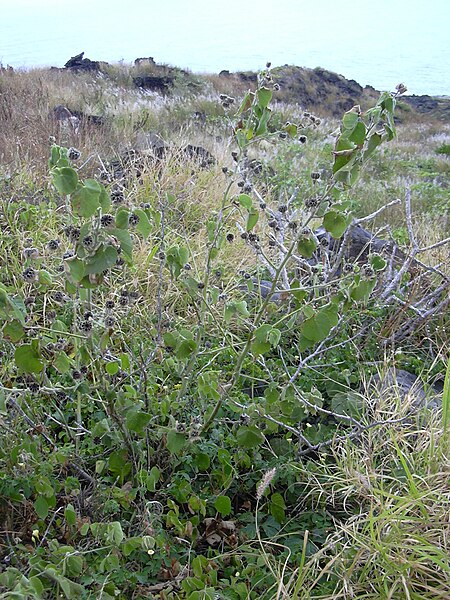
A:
(422, 104)
(85, 119)
(155, 83)
(409, 387)
(200, 154)
(78, 63)
(148, 61)
(360, 244)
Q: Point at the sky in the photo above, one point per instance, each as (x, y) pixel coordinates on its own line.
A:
(378, 42)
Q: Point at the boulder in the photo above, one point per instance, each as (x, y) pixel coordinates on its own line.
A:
(145, 62)
(63, 115)
(151, 143)
(155, 83)
(409, 388)
(423, 104)
(199, 154)
(78, 63)
(360, 244)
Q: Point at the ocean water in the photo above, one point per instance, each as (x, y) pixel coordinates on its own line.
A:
(380, 42)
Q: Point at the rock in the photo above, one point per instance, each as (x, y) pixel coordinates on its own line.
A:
(145, 62)
(78, 63)
(224, 73)
(151, 143)
(200, 154)
(422, 104)
(409, 388)
(155, 83)
(85, 119)
(360, 244)
(63, 115)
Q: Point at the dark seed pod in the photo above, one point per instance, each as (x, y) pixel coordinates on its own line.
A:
(29, 274)
(74, 154)
(53, 245)
(110, 322)
(107, 220)
(88, 241)
(58, 297)
(86, 326)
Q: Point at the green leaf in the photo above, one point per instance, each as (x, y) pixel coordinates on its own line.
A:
(246, 102)
(264, 96)
(350, 119)
(245, 201)
(249, 437)
(125, 243)
(115, 533)
(144, 227)
(70, 515)
(317, 328)
(185, 348)
(335, 223)
(130, 545)
(378, 262)
(252, 219)
(86, 200)
(122, 218)
(258, 348)
(374, 141)
(291, 129)
(262, 124)
(62, 362)
(362, 290)
(103, 259)
(44, 277)
(202, 461)
(343, 153)
(152, 479)
(277, 507)
(118, 463)
(223, 505)
(27, 359)
(76, 269)
(13, 331)
(306, 246)
(112, 368)
(41, 507)
(104, 200)
(65, 180)
(138, 421)
(358, 135)
(175, 441)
